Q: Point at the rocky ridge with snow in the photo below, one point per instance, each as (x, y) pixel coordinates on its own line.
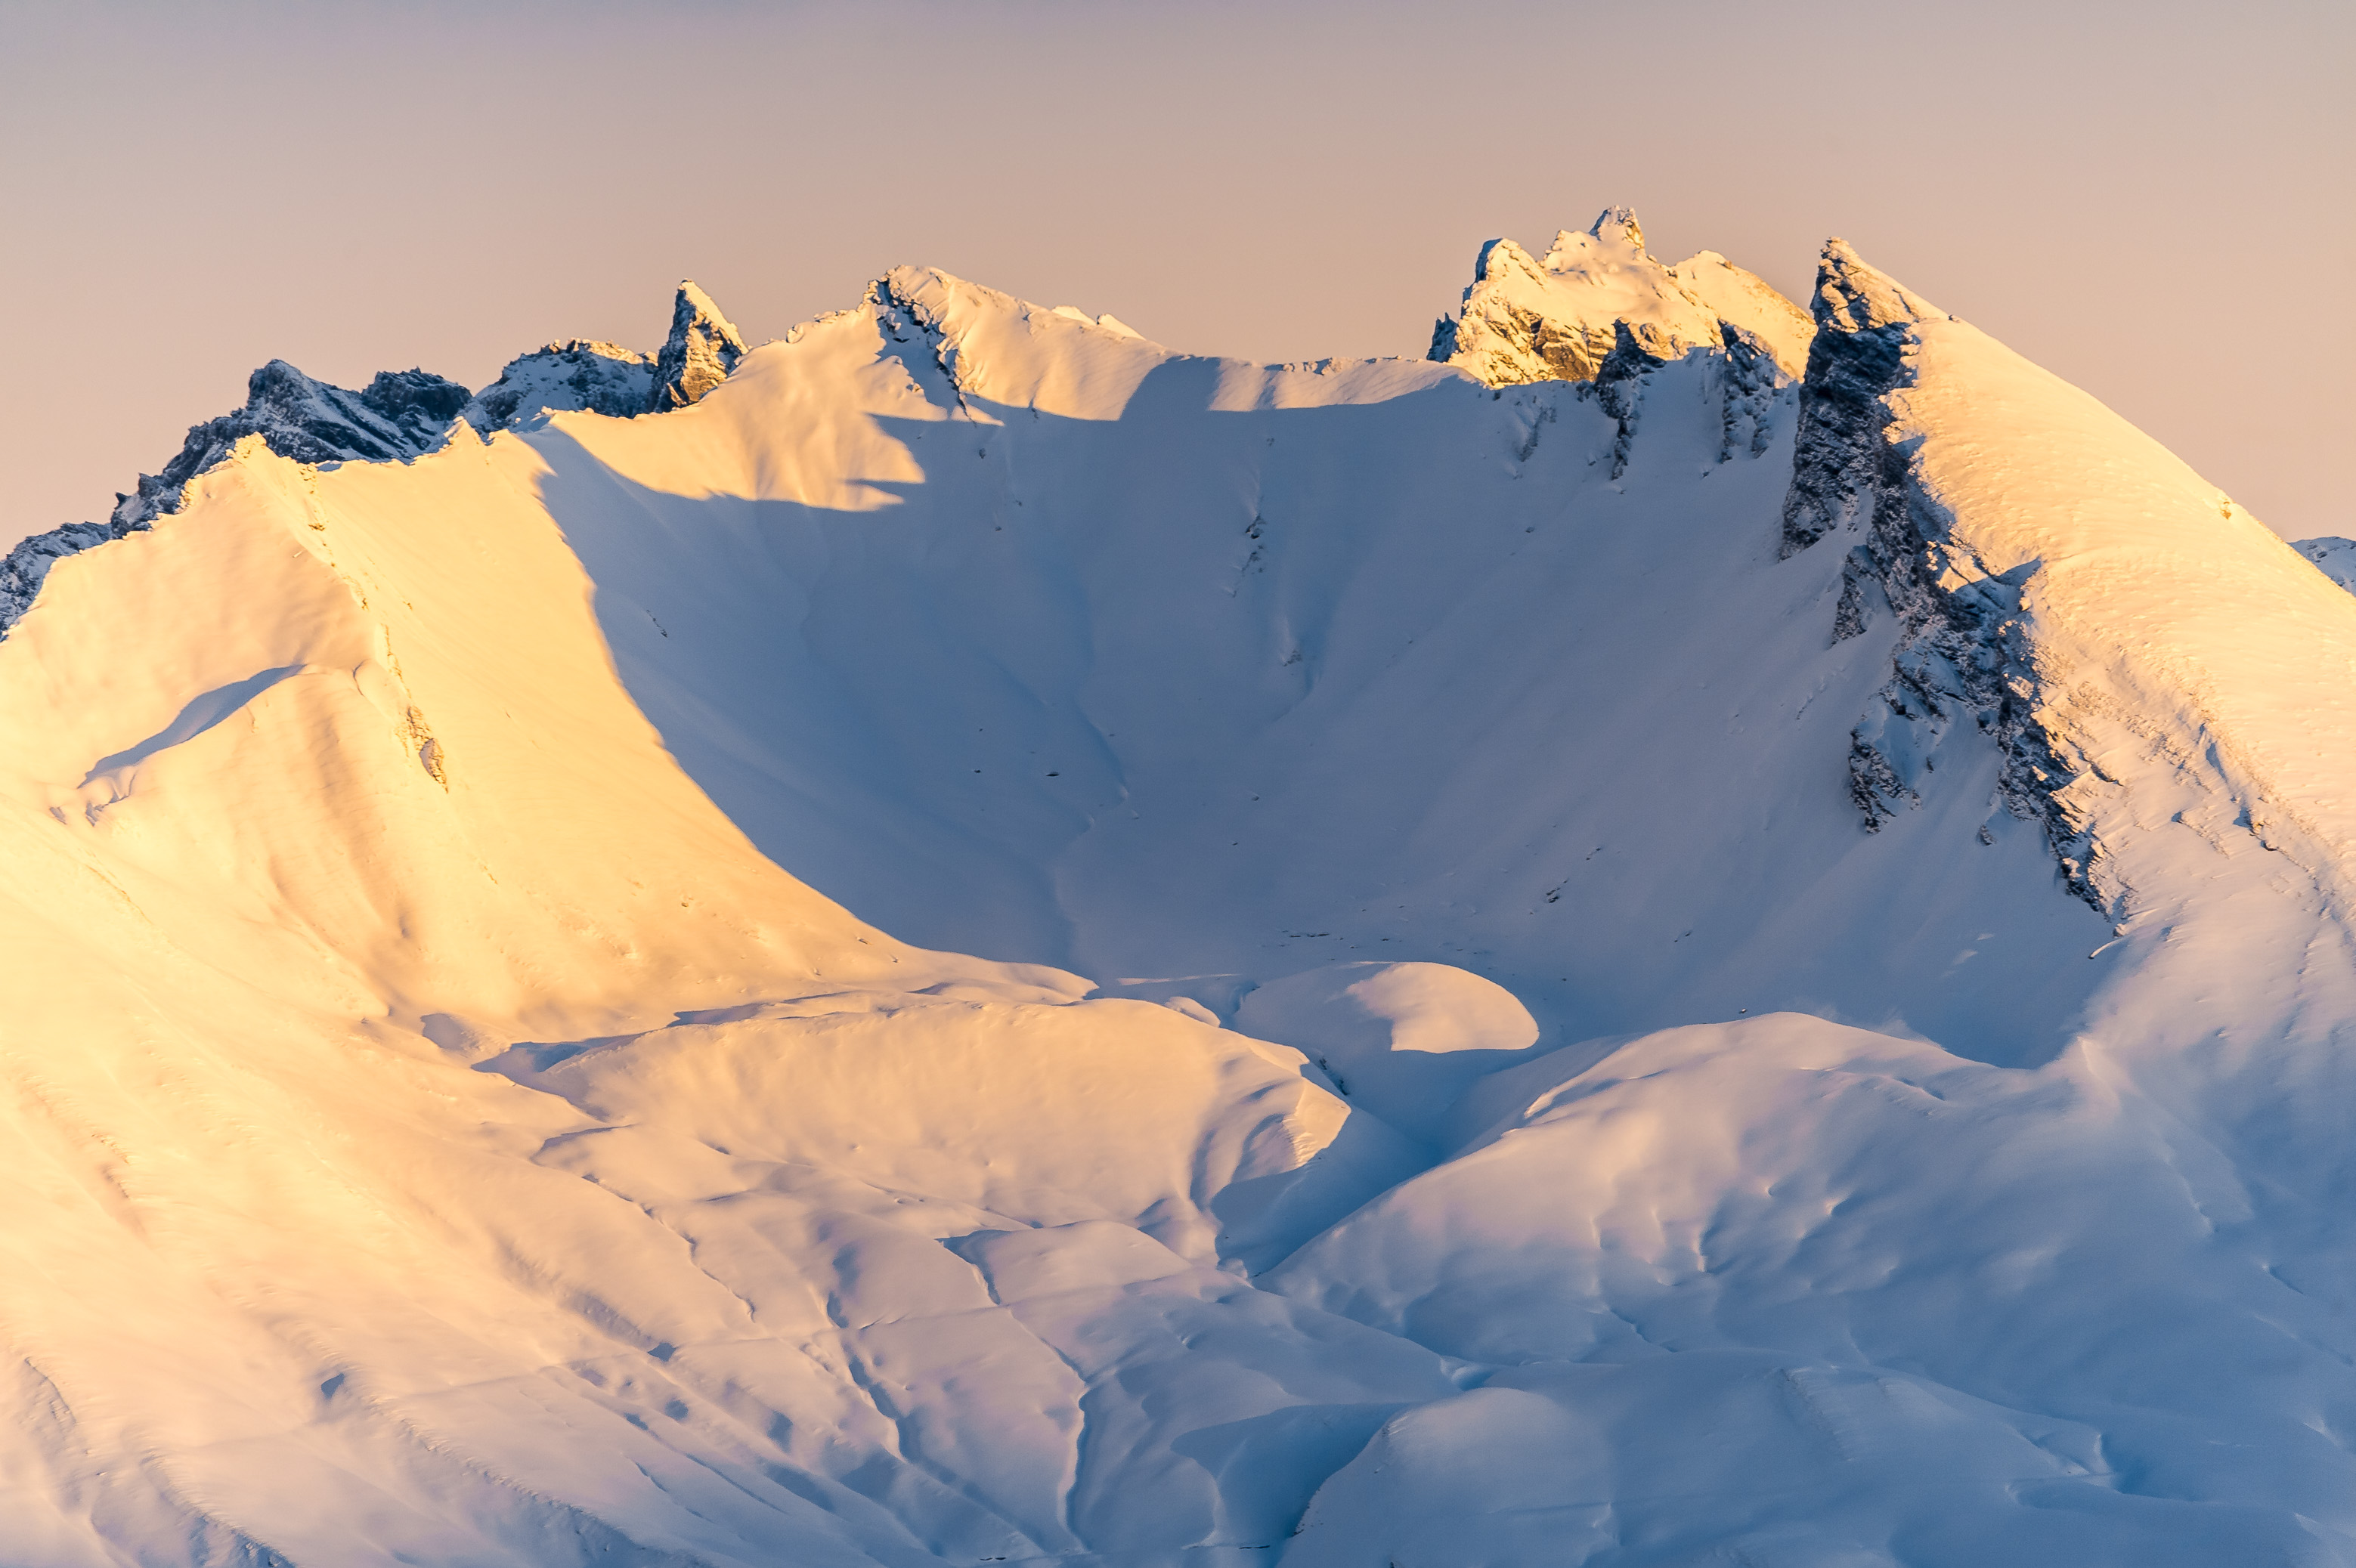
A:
(1529, 320)
(398, 414)
(402, 414)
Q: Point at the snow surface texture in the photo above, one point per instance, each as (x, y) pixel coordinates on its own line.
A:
(1449, 1078)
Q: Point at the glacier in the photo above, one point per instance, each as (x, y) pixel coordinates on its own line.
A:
(1689, 931)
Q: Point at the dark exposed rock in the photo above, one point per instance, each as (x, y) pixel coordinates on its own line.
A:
(1840, 470)
(1752, 384)
(399, 414)
(1963, 651)
(1620, 385)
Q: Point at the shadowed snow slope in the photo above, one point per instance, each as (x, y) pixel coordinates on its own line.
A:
(463, 1113)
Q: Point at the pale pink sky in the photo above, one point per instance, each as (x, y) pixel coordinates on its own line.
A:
(2154, 200)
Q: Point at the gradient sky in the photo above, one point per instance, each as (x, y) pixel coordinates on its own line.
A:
(2153, 200)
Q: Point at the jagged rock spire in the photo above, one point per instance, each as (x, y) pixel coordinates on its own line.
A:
(703, 347)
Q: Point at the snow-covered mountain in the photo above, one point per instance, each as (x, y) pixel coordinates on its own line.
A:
(1688, 932)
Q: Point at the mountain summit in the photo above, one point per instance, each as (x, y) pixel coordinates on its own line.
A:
(1525, 320)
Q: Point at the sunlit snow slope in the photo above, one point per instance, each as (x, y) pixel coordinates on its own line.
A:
(1672, 967)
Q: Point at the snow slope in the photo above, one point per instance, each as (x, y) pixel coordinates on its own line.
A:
(1663, 967)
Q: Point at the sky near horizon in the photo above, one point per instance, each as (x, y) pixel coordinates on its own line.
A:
(2153, 201)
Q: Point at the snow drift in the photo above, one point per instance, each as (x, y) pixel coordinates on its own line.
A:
(1700, 931)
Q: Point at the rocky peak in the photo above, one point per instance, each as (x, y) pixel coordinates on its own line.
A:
(1864, 326)
(1504, 258)
(399, 414)
(1617, 227)
(702, 350)
(1614, 239)
(574, 374)
(1557, 319)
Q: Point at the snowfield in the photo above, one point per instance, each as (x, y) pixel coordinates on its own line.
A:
(1693, 932)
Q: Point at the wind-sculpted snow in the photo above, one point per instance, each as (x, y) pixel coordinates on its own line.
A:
(1449, 1078)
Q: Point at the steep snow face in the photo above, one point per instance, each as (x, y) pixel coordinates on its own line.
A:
(577, 374)
(1525, 320)
(405, 992)
(702, 348)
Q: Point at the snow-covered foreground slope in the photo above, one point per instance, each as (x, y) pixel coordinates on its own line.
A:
(1669, 968)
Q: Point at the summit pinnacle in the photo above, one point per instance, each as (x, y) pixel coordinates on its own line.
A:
(703, 347)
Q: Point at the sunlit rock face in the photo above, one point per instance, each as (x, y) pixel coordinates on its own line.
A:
(702, 348)
(563, 378)
(977, 940)
(1555, 320)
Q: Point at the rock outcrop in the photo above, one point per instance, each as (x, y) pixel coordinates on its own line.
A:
(2334, 557)
(575, 374)
(703, 348)
(1963, 651)
(400, 413)
(1557, 319)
